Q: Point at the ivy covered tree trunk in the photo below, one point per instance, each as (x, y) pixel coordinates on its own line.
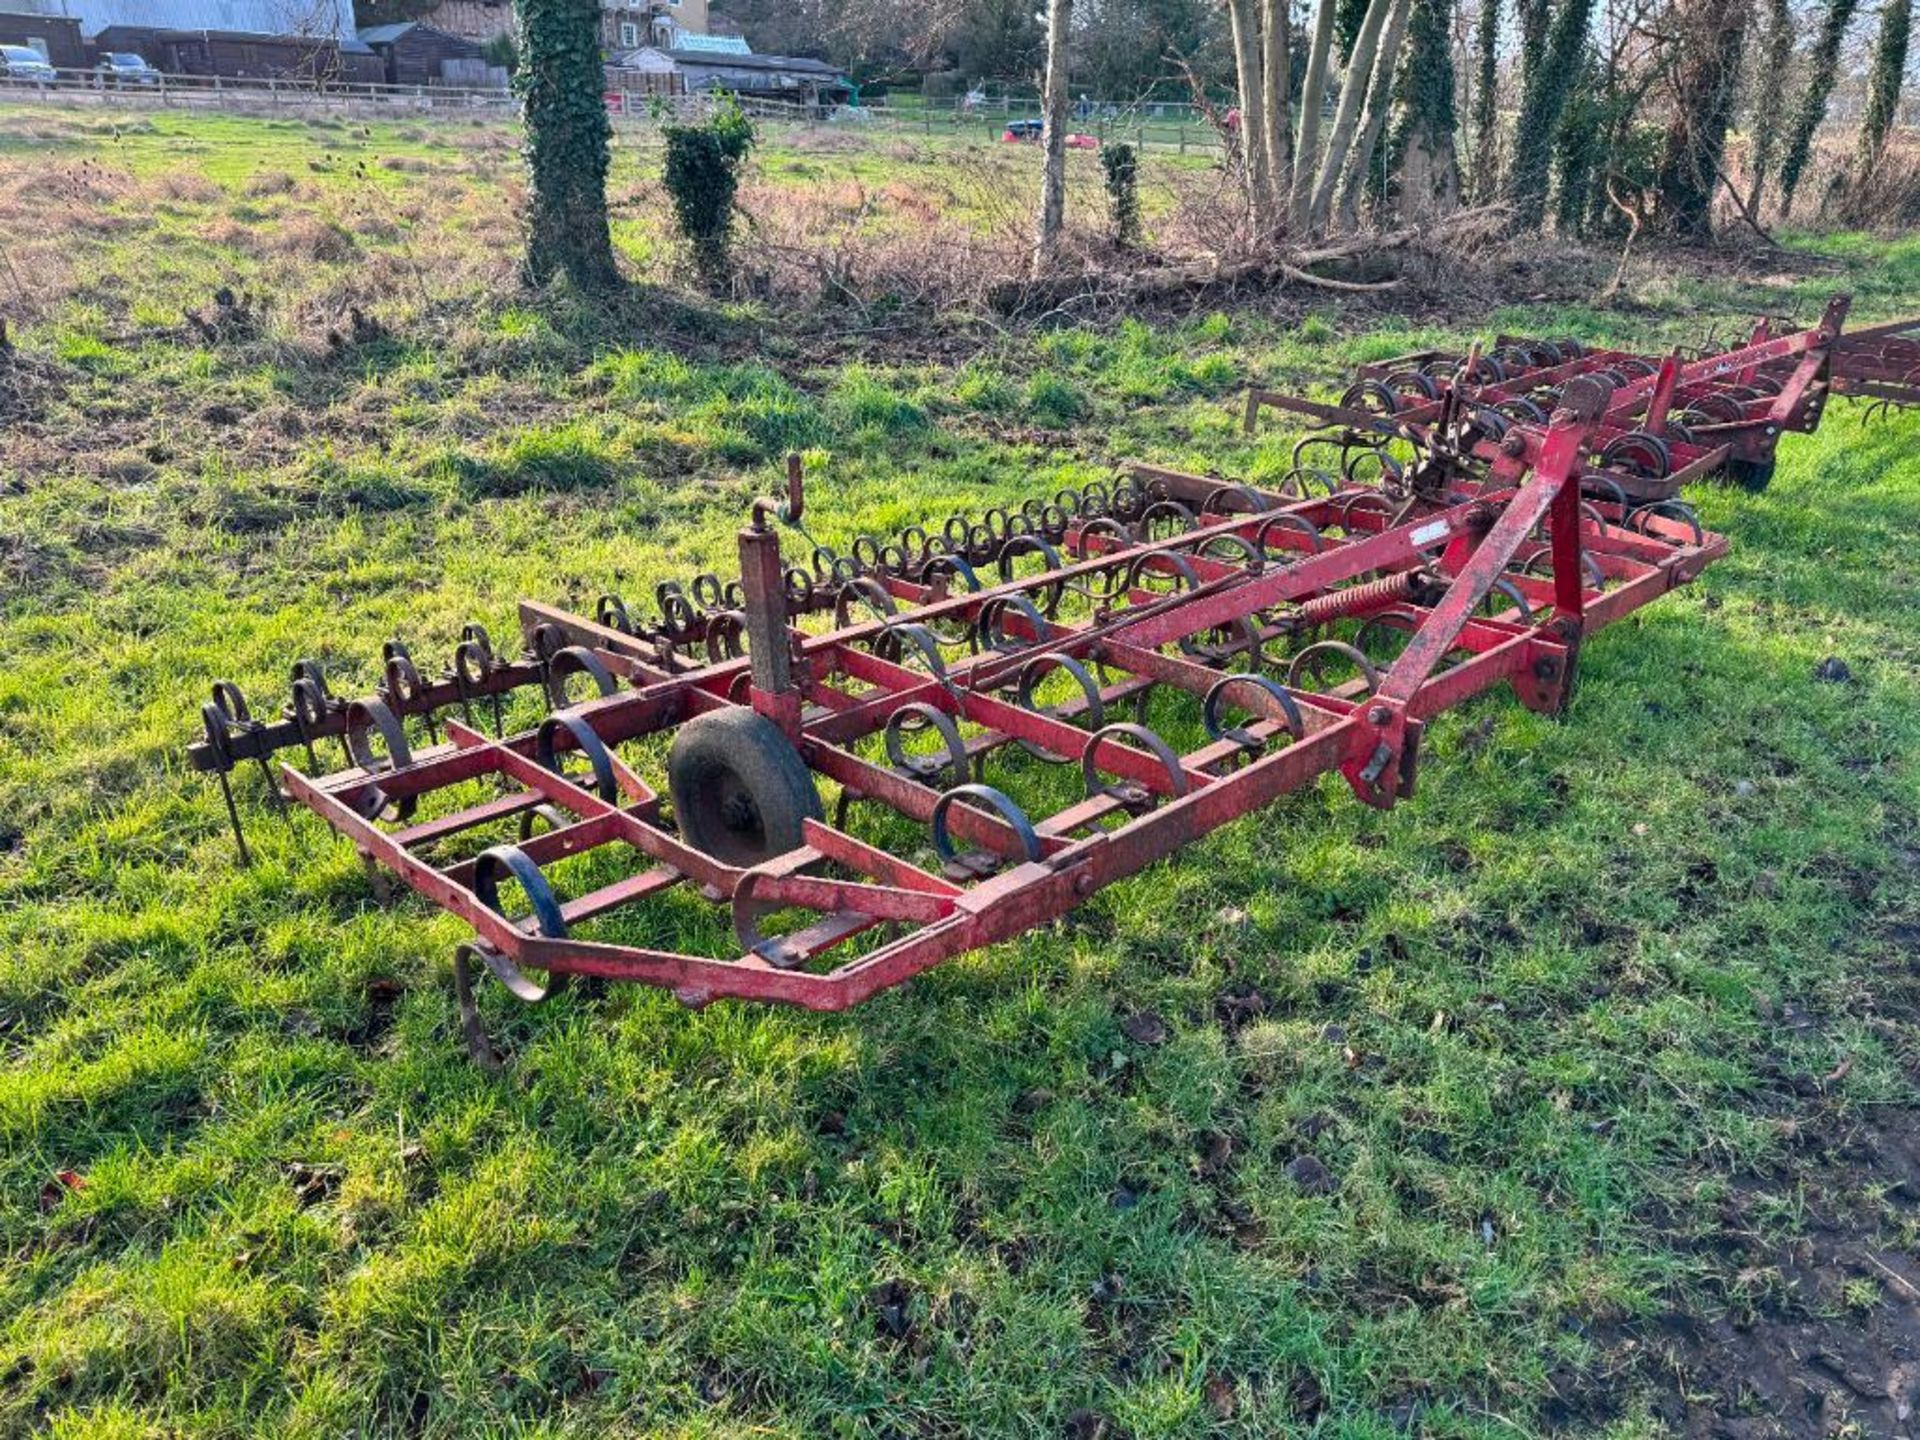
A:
(1486, 175)
(1883, 85)
(1421, 148)
(1706, 77)
(1770, 97)
(1549, 84)
(1813, 104)
(1580, 150)
(1053, 137)
(560, 82)
(1534, 17)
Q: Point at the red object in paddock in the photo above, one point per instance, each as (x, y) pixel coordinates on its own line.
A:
(1491, 567)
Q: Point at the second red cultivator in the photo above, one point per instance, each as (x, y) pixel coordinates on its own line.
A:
(1672, 418)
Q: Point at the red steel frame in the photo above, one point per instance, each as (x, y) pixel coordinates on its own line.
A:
(1429, 564)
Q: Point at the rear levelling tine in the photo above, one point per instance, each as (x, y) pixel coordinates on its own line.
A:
(273, 788)
(214, 720)
(233, 818)
(472, 1029)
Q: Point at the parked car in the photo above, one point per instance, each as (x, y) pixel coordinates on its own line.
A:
(122, 67)
(20, 65)
(1029, 132)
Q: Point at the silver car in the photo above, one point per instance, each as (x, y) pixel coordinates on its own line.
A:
(123, 67)
(22, 65)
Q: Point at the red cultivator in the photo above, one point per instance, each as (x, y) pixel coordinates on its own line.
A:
(1671, 419)
(1280, 637)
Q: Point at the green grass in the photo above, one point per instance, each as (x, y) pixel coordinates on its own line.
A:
(1531, 1023)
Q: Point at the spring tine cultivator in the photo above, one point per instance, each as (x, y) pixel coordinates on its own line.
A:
(1881, 366)
(1672, 419)
(1272, 635)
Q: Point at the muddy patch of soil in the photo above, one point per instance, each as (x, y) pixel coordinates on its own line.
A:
(1813, 1337)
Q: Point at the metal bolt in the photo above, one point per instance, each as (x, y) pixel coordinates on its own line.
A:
(1379, 715)
(1514, 446)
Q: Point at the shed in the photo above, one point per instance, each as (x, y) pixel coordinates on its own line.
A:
(243, 55)
(417, 54)
(55, 37)
(646, 71)
(765, 77)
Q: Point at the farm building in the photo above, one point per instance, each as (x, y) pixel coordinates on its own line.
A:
(310, 19)
(646, 71)
(55, 37)
(692, 71)
(416, 54)
(241, 55)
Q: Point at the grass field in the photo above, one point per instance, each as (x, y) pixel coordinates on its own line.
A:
(1602, 1047)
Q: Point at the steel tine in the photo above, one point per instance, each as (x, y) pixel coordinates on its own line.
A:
(233, 818)
(273, 787)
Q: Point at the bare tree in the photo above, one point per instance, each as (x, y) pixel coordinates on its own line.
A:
(1255, 141)
(1274, 26)
(1313, 95)
(1379, 101)
(1053, 137)
(1346, 121)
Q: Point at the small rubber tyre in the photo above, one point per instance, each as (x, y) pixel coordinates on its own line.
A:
(1752, 476)
(740, 790)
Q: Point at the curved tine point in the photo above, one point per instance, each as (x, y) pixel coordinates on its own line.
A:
(988, 634)
(958, 762)
(547, 919)
(1369, 673)
(1289, 522)
(472, 1029)
(230, 702)
(1008, 810)
(1030, 676)
(747, 914)
(1210, 707)
(372, 713)
(1132, 730)
(576, 660)
(589, 744)
(926, 643)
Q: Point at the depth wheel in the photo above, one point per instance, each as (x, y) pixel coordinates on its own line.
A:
(1752, 476)
(740, 790)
